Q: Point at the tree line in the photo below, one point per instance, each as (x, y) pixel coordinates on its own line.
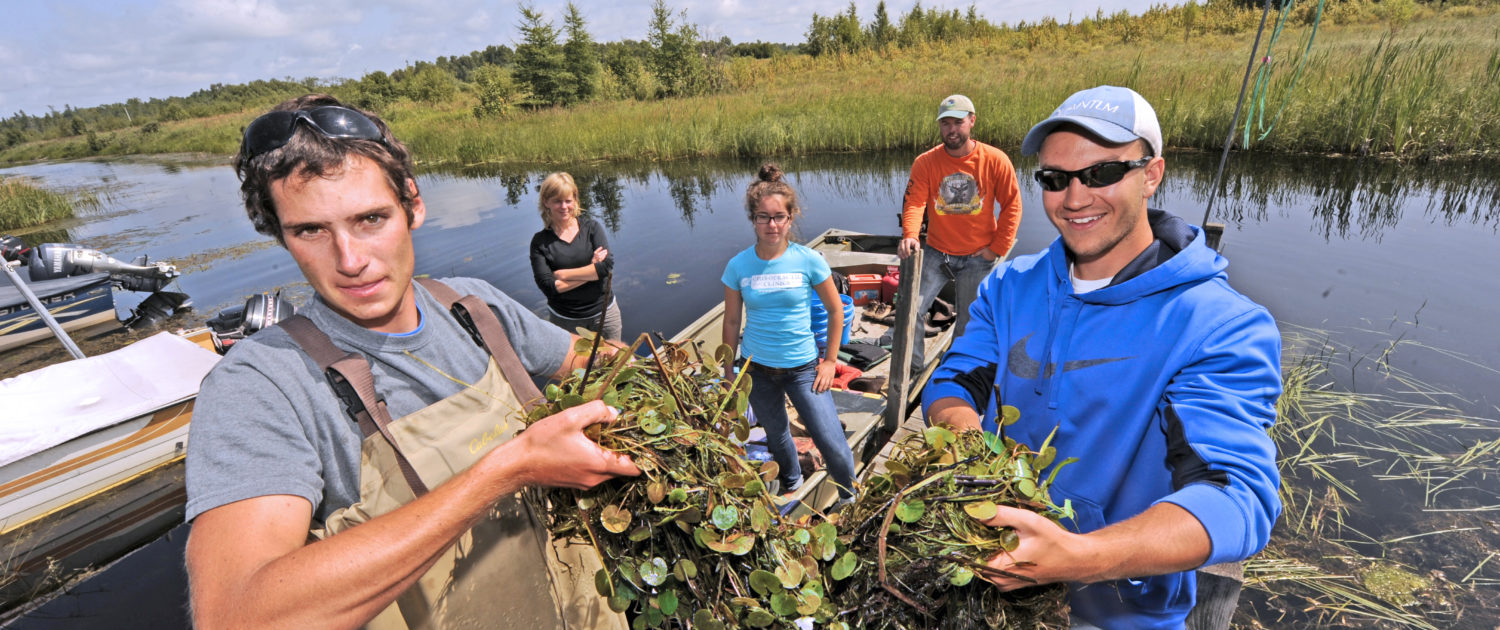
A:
(558, 63)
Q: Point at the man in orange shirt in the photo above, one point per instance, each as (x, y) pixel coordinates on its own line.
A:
(956, 186)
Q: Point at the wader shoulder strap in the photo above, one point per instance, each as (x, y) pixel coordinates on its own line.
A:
(349, 375)
(477, 317)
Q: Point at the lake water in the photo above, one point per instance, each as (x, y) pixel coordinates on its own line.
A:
(1366, 254)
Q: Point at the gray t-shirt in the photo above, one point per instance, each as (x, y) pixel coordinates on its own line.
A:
(267, 422)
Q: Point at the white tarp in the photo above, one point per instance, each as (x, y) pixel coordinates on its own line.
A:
(47, 407)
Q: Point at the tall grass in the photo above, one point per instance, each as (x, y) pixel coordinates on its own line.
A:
(1423, 86)
(23, 205)
(1322, 564)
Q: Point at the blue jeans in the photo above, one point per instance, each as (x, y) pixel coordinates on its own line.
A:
(937, 269)
(769, 389)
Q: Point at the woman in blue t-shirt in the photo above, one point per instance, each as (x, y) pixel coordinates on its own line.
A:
(570, 259)
(774, 281)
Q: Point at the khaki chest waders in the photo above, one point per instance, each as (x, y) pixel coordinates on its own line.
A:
(505, 572)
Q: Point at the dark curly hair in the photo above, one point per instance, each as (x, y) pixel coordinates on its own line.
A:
(311, 154)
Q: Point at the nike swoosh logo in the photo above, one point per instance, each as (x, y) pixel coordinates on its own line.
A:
(1020, 364)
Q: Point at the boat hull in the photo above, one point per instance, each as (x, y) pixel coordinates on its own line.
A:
(76, 302)
(83, 503)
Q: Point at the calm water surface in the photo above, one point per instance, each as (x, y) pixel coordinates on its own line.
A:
(1365, 254)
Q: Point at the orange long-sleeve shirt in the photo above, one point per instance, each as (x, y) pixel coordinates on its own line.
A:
(958, 196)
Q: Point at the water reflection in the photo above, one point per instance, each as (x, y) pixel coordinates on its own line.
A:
(1349, 197)
(1323, 242)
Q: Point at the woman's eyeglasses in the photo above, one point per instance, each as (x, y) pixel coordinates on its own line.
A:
(765, 219)
(1096, 176)
(273, 130)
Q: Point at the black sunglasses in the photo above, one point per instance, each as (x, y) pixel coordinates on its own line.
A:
(273, 130)
(1096, 176)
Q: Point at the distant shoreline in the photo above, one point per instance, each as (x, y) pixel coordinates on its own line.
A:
(1421, 90)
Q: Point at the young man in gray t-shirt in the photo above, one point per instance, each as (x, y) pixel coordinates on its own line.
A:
(273, 452)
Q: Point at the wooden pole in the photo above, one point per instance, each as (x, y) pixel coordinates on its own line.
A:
(904, 334)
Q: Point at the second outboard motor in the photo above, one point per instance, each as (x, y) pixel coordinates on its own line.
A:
(237, 322)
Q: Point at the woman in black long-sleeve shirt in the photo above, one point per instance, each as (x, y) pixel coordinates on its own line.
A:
(570, 259)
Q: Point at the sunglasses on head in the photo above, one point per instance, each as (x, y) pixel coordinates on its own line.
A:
(1096, 176)
(273, 130)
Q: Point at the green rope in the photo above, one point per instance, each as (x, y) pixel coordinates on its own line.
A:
(1263, 78)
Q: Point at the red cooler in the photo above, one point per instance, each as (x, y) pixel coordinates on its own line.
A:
(864, 288)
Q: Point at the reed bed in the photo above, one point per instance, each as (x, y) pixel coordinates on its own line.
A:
(1414, 90)
(23, 205)
(1386, 501)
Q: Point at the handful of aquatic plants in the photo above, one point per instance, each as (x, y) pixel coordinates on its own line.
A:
(696, 540)
(916, 529)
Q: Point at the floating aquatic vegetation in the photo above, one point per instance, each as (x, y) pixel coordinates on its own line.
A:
(698, 541)
(917, 525)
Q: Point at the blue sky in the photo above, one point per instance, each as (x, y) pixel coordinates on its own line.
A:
(89, 52)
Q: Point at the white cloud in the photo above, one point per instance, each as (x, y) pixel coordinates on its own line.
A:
(85, 53)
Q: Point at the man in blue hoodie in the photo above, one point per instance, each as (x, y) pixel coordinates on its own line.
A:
(1125, 338)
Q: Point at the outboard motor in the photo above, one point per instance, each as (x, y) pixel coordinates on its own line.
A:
(60, 260)
(237, 322)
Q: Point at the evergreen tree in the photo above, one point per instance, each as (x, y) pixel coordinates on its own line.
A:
(882, 32)
(675, 58)
(580, 56)
(539, 63)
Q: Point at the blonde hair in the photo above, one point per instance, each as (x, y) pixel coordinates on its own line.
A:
(557, 186)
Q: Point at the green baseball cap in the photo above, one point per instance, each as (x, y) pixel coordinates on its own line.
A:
(956, 106)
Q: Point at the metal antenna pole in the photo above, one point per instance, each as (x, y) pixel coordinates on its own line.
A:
(1213, 192)
(41, 310)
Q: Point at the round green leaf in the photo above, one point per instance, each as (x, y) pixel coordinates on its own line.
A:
(790, 574)
(844, 566)
(961, 576)
(668, 602)
(753, 489)
(685, 570)
(1009, 540)
(725, 517)
(938, 438)
(759, 618)
(784, 604)
(982, 510)
(652, 423)
(764, 582)
(1026, 487)
(1009, 415)
(654, 571)
(602, 583)
(614, 518)
(1044, 458)
(705, 620)
(760, 517)
(639, 534)
(677, 495)
(910, 510)
(808, 604)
